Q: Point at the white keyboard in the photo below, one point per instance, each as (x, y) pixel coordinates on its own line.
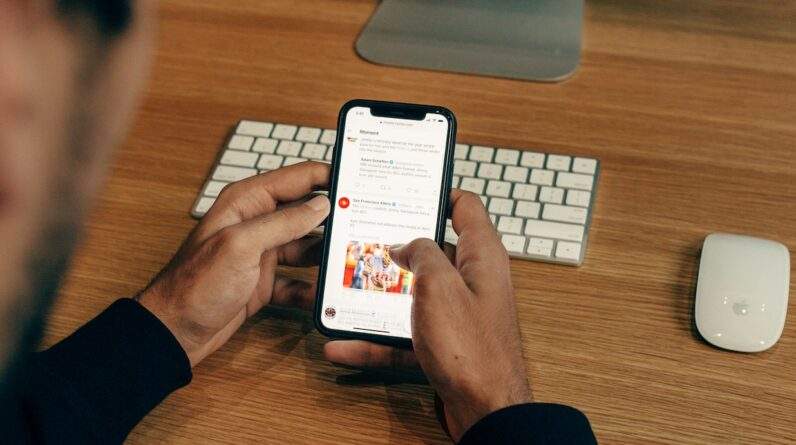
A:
(541, 204)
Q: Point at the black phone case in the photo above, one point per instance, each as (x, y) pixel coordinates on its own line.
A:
(391, 109)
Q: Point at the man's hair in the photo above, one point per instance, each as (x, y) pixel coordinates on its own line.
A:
(111, 17)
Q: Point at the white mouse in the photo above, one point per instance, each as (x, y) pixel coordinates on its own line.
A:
(742, 292)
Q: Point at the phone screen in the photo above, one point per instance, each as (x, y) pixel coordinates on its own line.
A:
(388, 192)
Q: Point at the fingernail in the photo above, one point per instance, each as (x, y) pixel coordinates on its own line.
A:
(318, 203)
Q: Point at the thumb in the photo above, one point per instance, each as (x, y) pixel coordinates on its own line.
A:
(278, 228)
(427, 261)
(437, 287)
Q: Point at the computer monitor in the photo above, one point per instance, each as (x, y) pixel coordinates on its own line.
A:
(523, 39)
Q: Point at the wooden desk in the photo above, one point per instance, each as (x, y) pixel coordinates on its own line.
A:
(691, 106)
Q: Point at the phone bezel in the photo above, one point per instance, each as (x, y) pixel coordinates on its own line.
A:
(388, 109)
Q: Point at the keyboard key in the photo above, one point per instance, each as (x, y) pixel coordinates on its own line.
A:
(204, 204)
(542, 177)
(329, 137)
(547, 229)
(578, 198)
(532, 160)
(474, 185)
(239, 158)
(568, 251)
(289, 148)
(455, 180)
(282, 131)
(507, 156)
(558, 162)
(481, 154)
(293, 160)
(554, 212)
(329, 154)
(513, 243)
(259, 129)
(490, 171)
(485, 202)
(308, 134)
(239, 142)
(314, 151)
(493, 218)
(461, 151)
(527, 209)
(231, 174)
(551, 194)
(516, 174)
(575, 181)
(501, 206)
(584, 165)
(265, 145)
(270, 162)
(498, 188)
(464, 168)
(213, 188)
(525, 191)
(540, 246)
(509, 224)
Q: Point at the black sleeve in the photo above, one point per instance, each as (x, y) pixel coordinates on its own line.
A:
(532, 423)
(98, 383)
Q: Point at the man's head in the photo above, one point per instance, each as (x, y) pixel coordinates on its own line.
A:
(69, 74)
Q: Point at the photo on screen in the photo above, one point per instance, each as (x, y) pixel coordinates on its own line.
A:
(368, 267)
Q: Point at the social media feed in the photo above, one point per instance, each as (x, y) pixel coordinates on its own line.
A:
(388, 193)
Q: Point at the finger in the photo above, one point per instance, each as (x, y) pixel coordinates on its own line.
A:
(436, 281)
(480, 256)
(263, 233)
(302, 252)
(423, 257)
(363, 354)
(293, 293)
(260, 194)
(469, 216)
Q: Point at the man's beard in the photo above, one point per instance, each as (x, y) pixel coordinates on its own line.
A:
(26, 315)
(48, 257)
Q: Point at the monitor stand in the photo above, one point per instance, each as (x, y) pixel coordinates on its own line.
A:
(522, 39)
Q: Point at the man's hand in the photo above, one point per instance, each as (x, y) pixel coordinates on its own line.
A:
(464, 323)
(224, 272)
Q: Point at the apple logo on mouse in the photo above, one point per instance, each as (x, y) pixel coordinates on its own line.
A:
(740, 308)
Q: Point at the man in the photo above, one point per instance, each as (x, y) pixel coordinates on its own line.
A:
(69, 73)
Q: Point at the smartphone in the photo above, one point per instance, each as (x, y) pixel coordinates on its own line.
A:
(390, 183)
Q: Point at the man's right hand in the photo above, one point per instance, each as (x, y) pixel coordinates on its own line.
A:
(226, 270)
(464, 323)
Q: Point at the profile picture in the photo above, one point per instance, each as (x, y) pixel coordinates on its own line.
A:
(369, 267)
(329, 312)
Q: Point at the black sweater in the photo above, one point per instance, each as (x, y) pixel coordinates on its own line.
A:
(98, 383)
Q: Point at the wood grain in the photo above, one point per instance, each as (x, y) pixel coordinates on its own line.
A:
(691, 107)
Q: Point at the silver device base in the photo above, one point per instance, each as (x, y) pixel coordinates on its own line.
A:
(523, 39)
